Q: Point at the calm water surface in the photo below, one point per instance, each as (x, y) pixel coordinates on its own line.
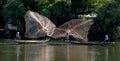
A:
(48, 52)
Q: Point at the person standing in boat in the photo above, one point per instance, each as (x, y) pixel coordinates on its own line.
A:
(106, 38)
(18, 35)
(67, 37)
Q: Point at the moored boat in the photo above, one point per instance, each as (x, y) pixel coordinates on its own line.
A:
(92, 43)
(31, 41)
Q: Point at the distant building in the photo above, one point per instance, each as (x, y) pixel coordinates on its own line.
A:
(11, 27)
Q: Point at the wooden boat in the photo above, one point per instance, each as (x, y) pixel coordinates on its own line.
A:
(31, 41)
(71, 42)
(92, 43)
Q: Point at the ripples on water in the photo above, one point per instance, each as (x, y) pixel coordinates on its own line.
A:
(46, 52)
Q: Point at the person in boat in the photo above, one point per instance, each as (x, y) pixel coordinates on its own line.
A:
(67, 37)
(18, 35)
(106, 38)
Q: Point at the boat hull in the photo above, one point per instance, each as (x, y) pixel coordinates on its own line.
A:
(92, 43)
(31, 41)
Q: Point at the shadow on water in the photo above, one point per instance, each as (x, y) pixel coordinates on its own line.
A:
(45, 52)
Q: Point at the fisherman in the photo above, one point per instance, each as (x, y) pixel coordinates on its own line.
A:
(18, 35)
(67, 37)
(106, 38)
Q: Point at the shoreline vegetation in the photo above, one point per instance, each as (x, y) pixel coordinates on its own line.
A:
(106, 20)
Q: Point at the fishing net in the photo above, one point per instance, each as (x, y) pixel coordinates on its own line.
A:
(80, 31)
(38, 25)
(61, 31)
(76, 28)
(70, 24)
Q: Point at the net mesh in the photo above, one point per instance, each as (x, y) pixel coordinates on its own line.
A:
(38, 25)
(61, 31)
(80, 31)
(76, 28)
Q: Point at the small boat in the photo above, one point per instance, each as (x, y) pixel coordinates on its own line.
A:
(92, 43)
(31, 41)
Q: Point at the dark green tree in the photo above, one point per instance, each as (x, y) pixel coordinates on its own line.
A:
(60, 12)
(13, 11)
(83, 6)
(32, 4)
(108, 18)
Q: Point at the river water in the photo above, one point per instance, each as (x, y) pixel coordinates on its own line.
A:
(58, 52)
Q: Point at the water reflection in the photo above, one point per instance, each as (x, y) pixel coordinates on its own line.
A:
(38, 53)
(17, 52)
(45, 52)
(54, 53)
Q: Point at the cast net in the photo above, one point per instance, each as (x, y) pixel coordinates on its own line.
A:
(76, 28)
(38, 25)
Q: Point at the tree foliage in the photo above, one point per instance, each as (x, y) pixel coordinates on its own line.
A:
(109, 17)
(13, 10)
(84, 6)
(59, 11)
